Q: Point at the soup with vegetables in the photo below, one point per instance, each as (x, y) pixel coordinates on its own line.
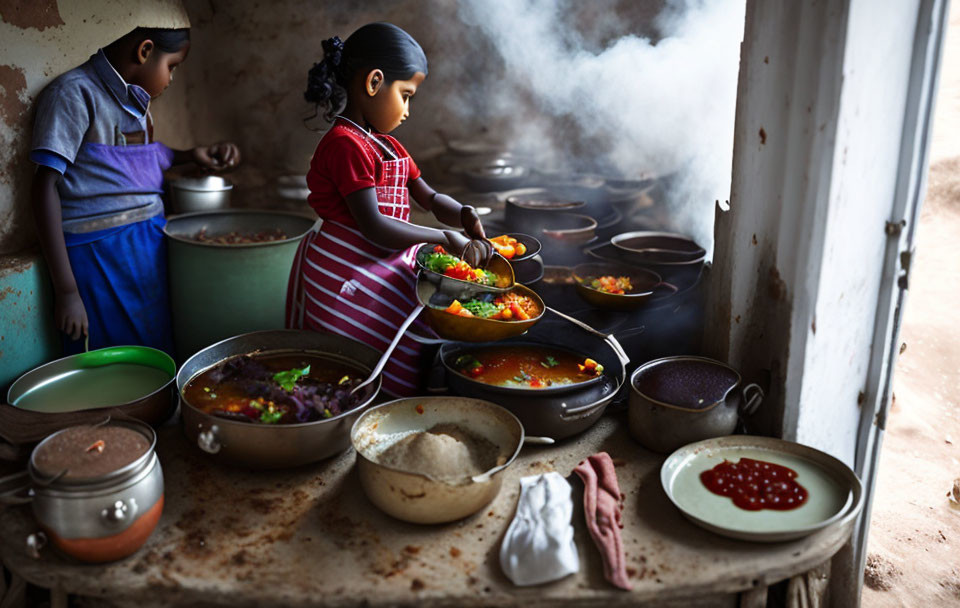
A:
(275, 388)
(527, 366)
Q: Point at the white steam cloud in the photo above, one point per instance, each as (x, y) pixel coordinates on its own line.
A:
(635, 105)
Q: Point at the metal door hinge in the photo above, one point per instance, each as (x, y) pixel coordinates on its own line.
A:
(895, 228)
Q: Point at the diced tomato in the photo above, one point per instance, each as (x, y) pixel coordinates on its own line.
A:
(439, 249)
(536, 382)
(476, 371)
(518, 312)
(506, 314)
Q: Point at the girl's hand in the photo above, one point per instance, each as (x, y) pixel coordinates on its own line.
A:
(71, 316)
(470, 221)
(218, 157)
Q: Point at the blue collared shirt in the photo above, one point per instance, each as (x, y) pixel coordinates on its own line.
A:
(87, 121)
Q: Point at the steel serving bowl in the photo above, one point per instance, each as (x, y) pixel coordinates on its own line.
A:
(419, 498)
(266, 446)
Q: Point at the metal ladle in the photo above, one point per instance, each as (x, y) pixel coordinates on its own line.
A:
(389, 351)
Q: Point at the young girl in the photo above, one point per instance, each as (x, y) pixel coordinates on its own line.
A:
(355, 275)
(97, 189)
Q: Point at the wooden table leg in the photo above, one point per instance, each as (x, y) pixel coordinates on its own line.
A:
(58, 598)
(16, 593)
(807, 590)
(754, 598)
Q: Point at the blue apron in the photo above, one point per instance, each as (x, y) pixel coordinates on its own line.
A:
(121, 271)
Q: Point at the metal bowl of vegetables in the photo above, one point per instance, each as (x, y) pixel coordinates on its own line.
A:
(482, 317)
(456, 278)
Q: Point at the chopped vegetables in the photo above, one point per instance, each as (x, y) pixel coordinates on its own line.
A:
(506, 307)
(590, 367)
(549, 362)
(451, 266)
(507, 246)
(469, 365)
(610, 284)
(288, 379)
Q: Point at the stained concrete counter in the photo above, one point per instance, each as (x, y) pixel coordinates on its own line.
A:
(310, 537)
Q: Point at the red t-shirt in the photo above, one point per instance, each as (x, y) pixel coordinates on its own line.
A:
(346, 161)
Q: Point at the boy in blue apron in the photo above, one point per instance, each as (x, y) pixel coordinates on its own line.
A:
(96, 192)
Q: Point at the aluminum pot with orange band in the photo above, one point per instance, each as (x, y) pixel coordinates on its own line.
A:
(96, 490)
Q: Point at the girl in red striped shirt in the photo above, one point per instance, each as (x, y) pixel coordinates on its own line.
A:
(355, 274)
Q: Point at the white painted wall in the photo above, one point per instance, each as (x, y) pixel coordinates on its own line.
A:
(876, 72)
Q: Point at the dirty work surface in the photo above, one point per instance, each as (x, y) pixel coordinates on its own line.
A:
(914, 545)
(310, 537)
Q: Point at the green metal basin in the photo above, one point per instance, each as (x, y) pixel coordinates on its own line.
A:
(220, 291)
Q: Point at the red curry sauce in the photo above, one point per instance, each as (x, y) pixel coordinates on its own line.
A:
(756, 484)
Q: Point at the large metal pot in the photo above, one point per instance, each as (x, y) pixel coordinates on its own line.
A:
(419, 498)
(206, 193)
(554, 414)
(97, 519)
(20, 426)
(678, 400)
(218, 291)
(265, 446)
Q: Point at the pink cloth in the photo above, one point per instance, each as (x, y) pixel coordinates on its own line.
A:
(603, 510)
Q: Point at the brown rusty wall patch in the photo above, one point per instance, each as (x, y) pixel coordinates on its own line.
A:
(13, 83)
(38, 14)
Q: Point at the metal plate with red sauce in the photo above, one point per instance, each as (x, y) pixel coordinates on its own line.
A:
(833, 492)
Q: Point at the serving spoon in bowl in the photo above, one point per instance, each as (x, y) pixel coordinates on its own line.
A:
(389, 351)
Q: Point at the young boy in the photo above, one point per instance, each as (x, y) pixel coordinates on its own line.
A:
(96, 192)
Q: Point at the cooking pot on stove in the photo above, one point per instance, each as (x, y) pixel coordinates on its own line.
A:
(93, 518)
(558, 412)
(679, 400)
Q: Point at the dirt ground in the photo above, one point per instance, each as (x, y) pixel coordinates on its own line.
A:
(913, 554)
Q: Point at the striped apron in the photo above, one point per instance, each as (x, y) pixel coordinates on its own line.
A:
(344, 283)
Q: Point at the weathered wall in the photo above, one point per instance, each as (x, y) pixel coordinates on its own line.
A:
(248, 64)
(40, 39)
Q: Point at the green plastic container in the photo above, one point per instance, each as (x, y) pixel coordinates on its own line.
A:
(220, 291)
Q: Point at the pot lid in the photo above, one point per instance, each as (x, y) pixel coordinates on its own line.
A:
(91, 453)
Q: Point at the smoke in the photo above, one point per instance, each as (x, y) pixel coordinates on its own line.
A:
(584, 95)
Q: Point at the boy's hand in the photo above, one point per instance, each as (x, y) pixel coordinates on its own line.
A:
(217, 157)
(71, 315)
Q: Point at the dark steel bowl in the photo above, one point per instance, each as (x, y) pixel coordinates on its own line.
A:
(552, 415)
(273, 446)
(645, 283)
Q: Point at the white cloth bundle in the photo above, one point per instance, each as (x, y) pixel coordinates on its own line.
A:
(538, 546)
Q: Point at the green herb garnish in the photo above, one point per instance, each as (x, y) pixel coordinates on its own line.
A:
(479, 308)
(288, 379)
(549, 362)
(271, 416)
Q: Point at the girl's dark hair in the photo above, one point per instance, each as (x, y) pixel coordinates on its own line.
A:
(381, 46)
(167, 40)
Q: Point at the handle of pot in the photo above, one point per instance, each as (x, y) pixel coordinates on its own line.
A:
(120, 514)
(752, 397)
(15, 489)
(528, 440)
(209, 440)
(583, 409)
(617, 349)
